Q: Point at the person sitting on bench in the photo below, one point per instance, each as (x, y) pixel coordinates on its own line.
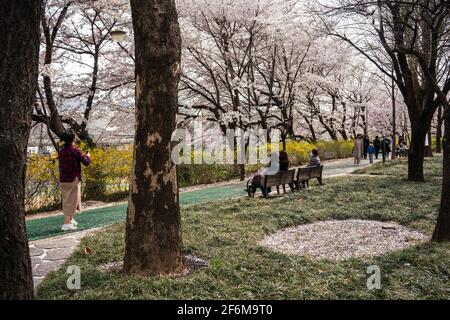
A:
(402, 150)
(256, 181)
(284, 161)
(315, 160)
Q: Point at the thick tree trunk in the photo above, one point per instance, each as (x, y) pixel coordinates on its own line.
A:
(442, 231)
(19, 59)
(416, 155)
(439, 131)
(153, 227)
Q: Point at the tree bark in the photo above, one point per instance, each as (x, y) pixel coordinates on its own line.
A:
(19, 60)
(429, 148)
(153, 227)
(416, 155)
(394, 121)
(439, 131)
(242, 166)
(442, 230)
(283, 141)
(242, 172)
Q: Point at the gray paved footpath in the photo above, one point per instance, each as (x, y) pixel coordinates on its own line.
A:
(49, 255)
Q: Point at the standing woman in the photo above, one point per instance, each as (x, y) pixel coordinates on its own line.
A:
(70, 159)
(358, 149)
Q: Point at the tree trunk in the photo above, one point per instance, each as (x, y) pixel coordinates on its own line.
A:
(439, 131)
(19, 59)
(343, 134)
(416, 155)
(242, 166)
(85, 137)
(242, 172)
(329, 129)
(283, 141)
(311, 128)
(429, 148)
(153, 227)
(442, 231)
(394, 120)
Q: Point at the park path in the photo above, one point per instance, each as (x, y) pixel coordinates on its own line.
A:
(49, 255)
(53, 248)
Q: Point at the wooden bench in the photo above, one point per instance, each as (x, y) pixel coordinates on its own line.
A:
(271, 181)
(287, 178)
(282, 179)
(316, 173)
(308, 173)
(303, 177)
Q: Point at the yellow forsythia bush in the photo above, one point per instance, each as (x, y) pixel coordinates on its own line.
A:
(42, 186)
(105, 179)
(108, 172)
(299, 152)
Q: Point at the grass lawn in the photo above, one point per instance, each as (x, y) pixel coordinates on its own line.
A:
(398, 168)
(226, 233)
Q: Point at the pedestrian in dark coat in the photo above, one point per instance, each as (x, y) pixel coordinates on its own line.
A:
(377, 146)
(366, 146)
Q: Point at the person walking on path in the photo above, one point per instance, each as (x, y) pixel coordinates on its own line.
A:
(377, 146)
(366, 146)
(70, 159)
(371, 152)
(358, 149)
(387, 147)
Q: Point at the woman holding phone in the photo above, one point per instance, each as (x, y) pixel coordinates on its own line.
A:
(70, 160)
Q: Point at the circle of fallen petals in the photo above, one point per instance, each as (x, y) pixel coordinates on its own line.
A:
(341, 240)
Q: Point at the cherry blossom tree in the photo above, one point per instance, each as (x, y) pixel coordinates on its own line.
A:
(81, 69)
(408, 37)
(153, 229)
(222, 71)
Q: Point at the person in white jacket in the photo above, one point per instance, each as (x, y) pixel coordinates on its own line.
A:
(358, 149)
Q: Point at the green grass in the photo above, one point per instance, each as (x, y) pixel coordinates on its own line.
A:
(398, 168)
(226, 234)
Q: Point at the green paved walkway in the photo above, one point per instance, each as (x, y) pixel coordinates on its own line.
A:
(50, 226)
